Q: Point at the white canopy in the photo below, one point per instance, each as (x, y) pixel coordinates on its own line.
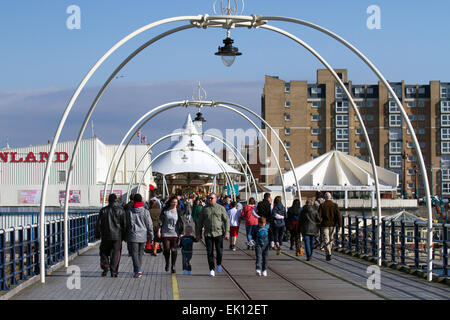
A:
(203, 162)
(335, 170)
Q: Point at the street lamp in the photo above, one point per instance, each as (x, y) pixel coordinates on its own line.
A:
(228, 52)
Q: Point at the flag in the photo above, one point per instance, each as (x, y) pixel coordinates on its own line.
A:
(145, 139)
(138, 133)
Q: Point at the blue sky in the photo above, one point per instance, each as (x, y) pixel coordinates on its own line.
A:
(42, 61)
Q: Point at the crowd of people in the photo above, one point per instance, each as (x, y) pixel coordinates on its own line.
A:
(178, 222)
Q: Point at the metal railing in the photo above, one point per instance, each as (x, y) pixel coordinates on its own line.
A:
(402, 242)
(16, 219)
(19, 247)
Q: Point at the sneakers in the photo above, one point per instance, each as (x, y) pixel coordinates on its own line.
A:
(272, 244)
(104, 273)
(219, 268)
(264, 273)
(113, 275)
(212, 273)
(233, 248)
(258, 272)
(138, 274)
(173, 270)
(185, 272)
(328, 257)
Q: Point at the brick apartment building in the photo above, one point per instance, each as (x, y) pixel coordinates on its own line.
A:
(313, 119)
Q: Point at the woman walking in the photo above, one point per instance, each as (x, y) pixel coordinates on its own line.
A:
(278, 224)
(139, 228)
(293, 215)
(309, 223)
(170, 229)
(250, 221)
(197, 208)
(155, 212)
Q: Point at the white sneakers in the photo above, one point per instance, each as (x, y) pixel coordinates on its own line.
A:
(258, 272)
(219, 268)
(212, 273)
(264, 273)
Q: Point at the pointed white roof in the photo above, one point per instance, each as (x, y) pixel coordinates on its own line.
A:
(190, 160)
(336, 170)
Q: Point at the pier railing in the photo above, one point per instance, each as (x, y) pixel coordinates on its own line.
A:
(19, 247)
(402, 242)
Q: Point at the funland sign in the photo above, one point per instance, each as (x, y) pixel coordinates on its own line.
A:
(31, 157)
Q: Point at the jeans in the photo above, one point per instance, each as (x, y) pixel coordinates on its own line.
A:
(278, 234)
(249, 231)
(212, 242)
(137, 251)
(186, 257)
(110, 251)
(309, 244)
(327, 234)
(262, 255)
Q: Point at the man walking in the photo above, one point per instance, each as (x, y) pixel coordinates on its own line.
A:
(110, 228)
(331, 217)
(215, 220)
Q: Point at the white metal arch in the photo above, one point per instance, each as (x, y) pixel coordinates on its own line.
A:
(228, 22)
(235, 151)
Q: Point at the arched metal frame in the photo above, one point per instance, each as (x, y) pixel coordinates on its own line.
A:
(227, 22)
(155, 111)
(235, 152)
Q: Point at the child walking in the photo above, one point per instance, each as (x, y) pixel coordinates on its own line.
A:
(234, 216)
(261, 242)
(186, 244)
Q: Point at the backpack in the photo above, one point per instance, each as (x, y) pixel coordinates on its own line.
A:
(262, 235)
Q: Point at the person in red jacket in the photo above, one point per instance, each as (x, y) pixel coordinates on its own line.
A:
(250, 220)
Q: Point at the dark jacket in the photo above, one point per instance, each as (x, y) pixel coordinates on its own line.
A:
(293, 215)
(330, 215)
(139, 225)
(111, 223)
(179, 227)
(309, 221)
(263, 209)
(281, 210)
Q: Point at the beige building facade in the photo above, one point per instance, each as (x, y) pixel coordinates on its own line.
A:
(313, 119)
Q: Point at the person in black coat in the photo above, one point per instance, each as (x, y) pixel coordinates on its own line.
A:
(309, 224)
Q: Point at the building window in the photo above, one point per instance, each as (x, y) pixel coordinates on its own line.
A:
(445, 106)
(412, 117)
(369, 117)
(342, 146)
(445, 147)
(287, 144)
(287, 104)
(411, 185)
(395, 161)
(445, 161)
(286, 157)
(443, 93)
(369, 90)
(315, 131)
(445, 174)
(410, 145)
(422, 144)
(445, 120)
(287, 87)
(287, 116)
(446, 188)
(421, 117)
(360, 145)
(412, 158)
(358, 131)
(61, 176)
(395, 147)
(358, 90)
(393, 107)
(370, 131)
(421, 90)
(421, 104)
(369, 104)
(316, 104)
(316, 90)
(341, 120)
(395, 134)
(411, 172)
(315, 117)
(411, 104)
(410, 90)
(421, 131)
(339, 92)
(341, 133)
(395, 120)
(341, 106)
(316, 145)
(360, 104)
(445, 134)
(287, 131)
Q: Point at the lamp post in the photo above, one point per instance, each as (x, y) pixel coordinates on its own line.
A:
(404, 191)
(416, 192)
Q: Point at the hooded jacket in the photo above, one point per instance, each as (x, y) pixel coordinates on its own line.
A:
(139, 225)
(309, 221)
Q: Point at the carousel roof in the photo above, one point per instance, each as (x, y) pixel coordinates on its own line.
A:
(336, 170)
(196, 156)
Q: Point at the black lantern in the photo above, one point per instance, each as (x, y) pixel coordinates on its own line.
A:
(228, 52)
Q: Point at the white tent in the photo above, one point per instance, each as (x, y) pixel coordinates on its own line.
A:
(337, 171)
(192, 161)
